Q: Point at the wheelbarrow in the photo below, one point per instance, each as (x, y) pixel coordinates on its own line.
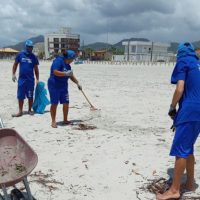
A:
(17, 160)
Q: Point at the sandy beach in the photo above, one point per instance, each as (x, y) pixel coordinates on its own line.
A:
(128, 144)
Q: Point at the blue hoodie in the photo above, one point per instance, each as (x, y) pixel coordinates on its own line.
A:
(187, 69)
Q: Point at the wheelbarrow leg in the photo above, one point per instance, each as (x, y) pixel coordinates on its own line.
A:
(5, 192)
(26, 184)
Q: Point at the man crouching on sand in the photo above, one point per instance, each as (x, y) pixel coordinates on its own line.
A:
(28, 65)
(186, 76)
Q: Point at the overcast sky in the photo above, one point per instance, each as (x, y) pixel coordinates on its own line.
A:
(101, 20)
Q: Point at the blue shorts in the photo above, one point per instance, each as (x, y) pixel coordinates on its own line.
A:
(25, 90)
(184, 139)
(59, 95)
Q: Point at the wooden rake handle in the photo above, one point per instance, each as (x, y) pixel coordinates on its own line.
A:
(87, 99)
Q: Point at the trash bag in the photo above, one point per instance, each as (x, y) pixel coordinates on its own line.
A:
(41, 100)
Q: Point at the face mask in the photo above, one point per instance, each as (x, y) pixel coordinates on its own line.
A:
(29, 50)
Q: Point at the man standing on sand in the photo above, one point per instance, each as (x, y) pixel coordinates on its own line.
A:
(186, 76)
(28, 65)
(58, 84)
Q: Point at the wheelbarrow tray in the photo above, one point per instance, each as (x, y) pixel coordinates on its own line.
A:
(17, 158)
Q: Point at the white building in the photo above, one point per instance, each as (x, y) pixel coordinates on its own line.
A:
(38, 48)
(146, 51)
(54, 43)
(119, 58)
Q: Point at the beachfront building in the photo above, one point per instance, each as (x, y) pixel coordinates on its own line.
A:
(119, 58)
(146, 51)
(8, 53)
(54, 43)
(101, 55)
(38, 50)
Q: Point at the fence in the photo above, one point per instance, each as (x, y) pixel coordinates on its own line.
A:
(146, 63)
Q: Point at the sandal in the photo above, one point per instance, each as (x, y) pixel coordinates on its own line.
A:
(17, 115)
(30, 112)
(66, 122)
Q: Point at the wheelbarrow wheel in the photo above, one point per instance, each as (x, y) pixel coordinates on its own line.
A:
(16, 195)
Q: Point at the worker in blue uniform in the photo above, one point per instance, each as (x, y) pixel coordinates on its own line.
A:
(28, 66)
(186, 120)
(58, 84)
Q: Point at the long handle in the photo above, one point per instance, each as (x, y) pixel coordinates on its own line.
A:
(6, 197)
(1, 123)
(87, 99)
(26, 184)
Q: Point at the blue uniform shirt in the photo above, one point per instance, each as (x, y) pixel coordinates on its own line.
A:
(27, 63)
(188, 69)
(56, 81)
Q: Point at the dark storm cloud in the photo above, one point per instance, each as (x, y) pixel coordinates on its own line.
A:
(128, 7)
(94, 20)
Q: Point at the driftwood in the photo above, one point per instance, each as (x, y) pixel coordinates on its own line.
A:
(82, 126)
(161, 185)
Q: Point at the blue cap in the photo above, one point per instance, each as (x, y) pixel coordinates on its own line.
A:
(185, 47)
(29, 43)
(70, 54)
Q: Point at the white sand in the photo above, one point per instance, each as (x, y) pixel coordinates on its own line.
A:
(114, 161)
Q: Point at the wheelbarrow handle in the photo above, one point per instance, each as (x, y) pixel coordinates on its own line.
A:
(1, 123)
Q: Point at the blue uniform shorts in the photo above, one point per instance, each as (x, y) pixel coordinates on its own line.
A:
(184, 139)
(59, 95)
(25, 90)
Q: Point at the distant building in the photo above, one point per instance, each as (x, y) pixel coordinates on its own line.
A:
(54, 43)
(38, 48)
(101, 55)
(8, 53)
(146, 51)
(119, 58)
